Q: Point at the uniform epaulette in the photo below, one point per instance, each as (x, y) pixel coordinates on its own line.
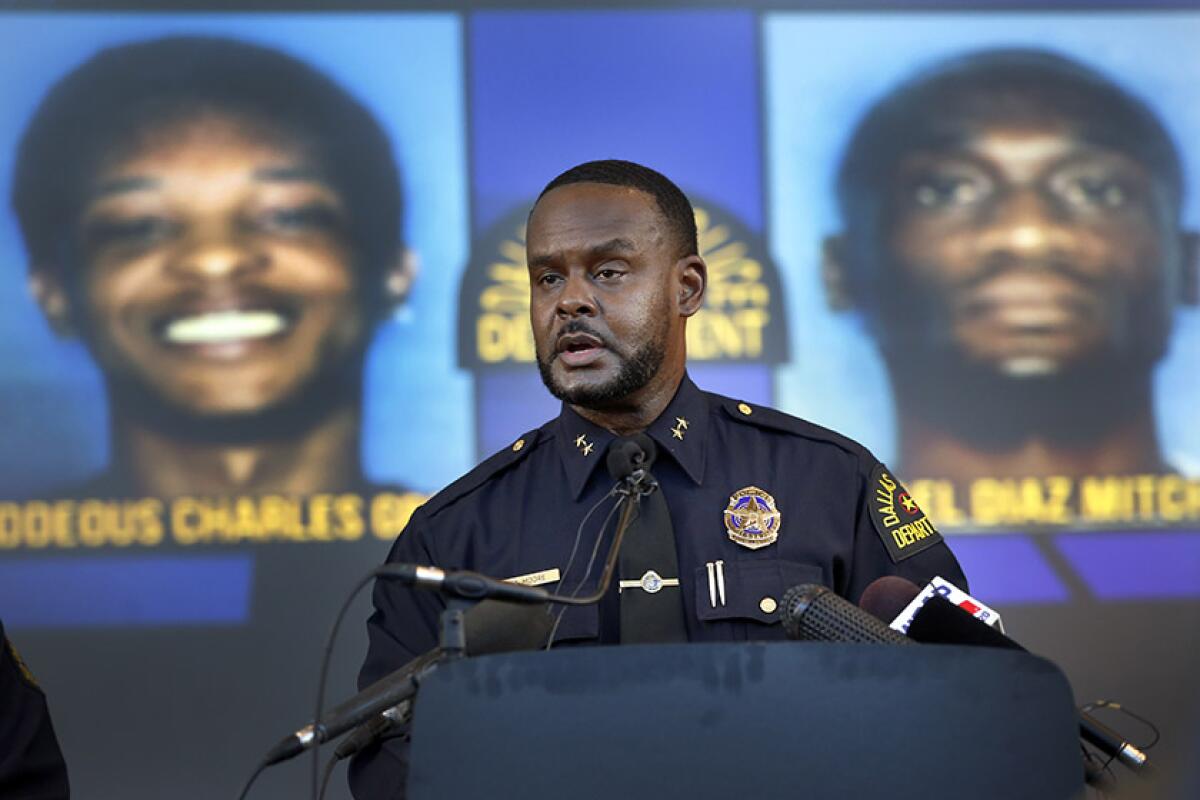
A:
(492, 465)
(773, 419)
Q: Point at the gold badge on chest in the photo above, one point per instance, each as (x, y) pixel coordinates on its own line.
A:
(752, 518)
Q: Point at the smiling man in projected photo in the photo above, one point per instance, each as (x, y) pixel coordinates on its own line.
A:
(1012, 236)
(219, 223)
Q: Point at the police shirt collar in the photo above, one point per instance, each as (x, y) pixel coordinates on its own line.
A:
(582, 445)
(680, 430)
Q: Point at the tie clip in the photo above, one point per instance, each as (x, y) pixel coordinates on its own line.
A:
(650, 583)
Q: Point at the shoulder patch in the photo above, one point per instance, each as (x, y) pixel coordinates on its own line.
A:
(773, 419)
(899, 521)
(513, 453)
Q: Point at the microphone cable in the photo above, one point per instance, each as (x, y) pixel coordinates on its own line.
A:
(326, 657)
(253, 777)
(323, 674)
(587, 570)
(327, 774)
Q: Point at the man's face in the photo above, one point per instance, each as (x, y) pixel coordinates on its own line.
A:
(1026, 250)
(214, 268)
(601, 267)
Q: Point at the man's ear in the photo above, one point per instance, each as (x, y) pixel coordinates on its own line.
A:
(1189, 284)
(398, 278)
(835, 274)
(46, 287)
(693, 279)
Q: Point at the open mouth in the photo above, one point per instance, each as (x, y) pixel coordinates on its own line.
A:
(578, 349)
(223, 327)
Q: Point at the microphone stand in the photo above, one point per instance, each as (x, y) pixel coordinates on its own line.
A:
(452, 645)
(452, 635)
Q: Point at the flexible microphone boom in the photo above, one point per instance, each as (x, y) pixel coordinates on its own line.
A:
(463, 583)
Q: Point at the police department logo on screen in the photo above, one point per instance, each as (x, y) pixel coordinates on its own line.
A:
(742, 320)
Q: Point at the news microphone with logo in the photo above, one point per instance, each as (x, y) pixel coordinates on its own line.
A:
(938, 620)
(490, 627)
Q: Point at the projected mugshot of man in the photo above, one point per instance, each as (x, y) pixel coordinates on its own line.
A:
(219, 223)
(1012, 237)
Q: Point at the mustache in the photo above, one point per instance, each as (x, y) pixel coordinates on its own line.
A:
(1002, 264)
(579, 326)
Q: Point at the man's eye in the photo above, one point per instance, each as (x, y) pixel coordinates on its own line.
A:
(301, 219)
(133, 231)
(1088, 192)
(946, 192)
(608, 274)
(549, 279)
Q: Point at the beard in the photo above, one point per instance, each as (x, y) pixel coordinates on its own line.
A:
(634, 372)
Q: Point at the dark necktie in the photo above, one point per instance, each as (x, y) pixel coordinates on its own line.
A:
(651, 597)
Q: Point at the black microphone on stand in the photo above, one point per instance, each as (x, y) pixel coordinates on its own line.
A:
(631, 457)
(463, 583)
(815, 613)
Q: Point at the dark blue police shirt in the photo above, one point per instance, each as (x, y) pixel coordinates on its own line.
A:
(843, 522)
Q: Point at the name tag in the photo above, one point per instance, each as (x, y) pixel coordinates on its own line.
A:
(536, 578)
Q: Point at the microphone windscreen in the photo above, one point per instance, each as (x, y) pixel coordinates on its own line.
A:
(496, 626)
(941, 622)
(626, 455)
(814, 613)
(886, 597)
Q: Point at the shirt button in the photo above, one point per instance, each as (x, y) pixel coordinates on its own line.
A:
(768, 605)
(518, 444)
(745, 409)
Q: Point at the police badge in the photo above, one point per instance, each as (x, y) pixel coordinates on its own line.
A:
(752, 519)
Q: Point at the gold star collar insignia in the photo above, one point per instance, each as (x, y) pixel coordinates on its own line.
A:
(681, 425)
(583, 444)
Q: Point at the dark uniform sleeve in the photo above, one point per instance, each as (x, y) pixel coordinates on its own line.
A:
(893, 536)
(402, 627)
(31, 763)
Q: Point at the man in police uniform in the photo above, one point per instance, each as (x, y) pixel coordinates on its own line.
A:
(758, 501)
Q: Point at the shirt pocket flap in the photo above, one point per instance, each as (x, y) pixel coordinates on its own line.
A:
(751, 589)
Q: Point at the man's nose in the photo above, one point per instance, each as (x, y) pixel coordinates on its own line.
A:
(1026, 226)
(216, 252)
(577, 298)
